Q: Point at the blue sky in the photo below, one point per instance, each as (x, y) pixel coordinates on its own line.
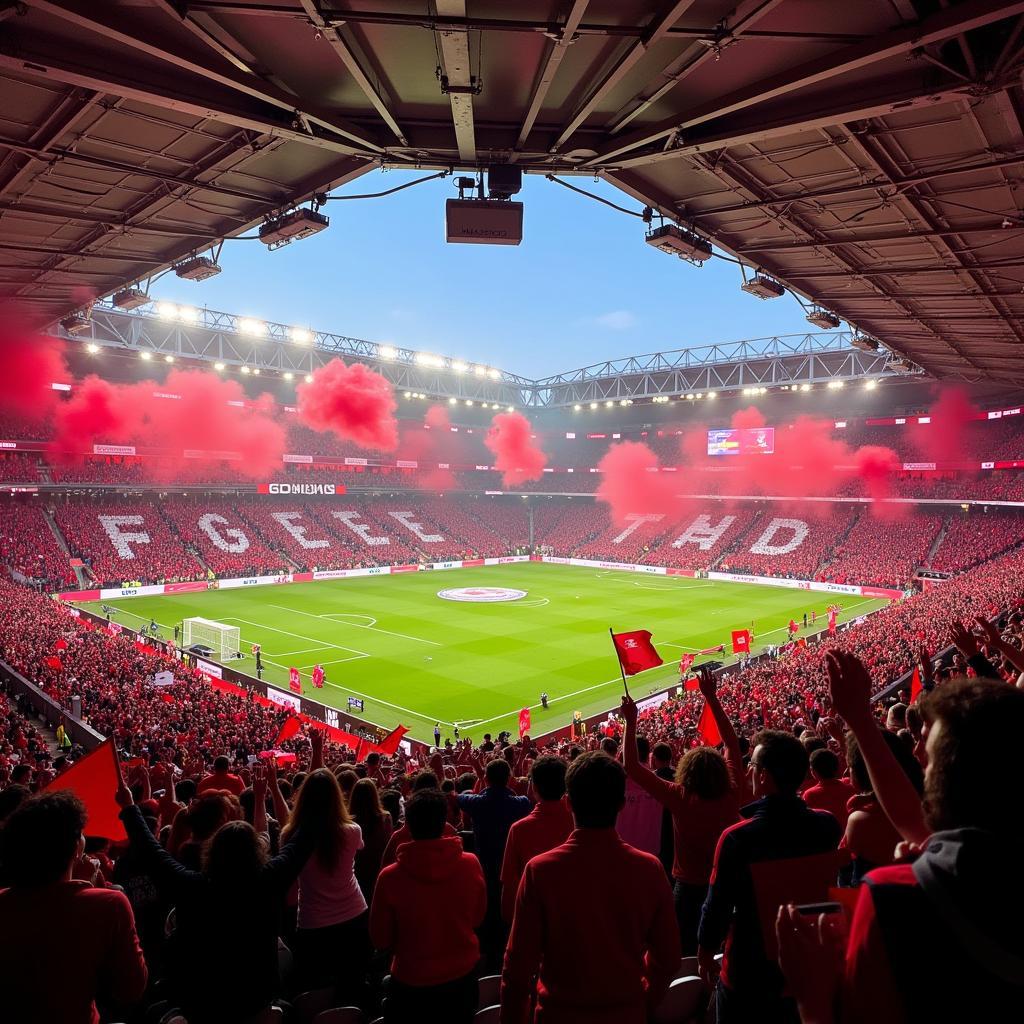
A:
(582, 287)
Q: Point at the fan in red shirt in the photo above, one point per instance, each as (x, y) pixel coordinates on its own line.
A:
(829, 792)
(425, 910)
(590, 967)
(221, 778)
(548, 825)
(63, 943)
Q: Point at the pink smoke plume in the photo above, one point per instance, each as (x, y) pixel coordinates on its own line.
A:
(516, 456)
(31, 365)
(877, 467)
(632, 484)
(191, 411)
(354, 402)
(947, 437)
(432, 445)
(95, 411)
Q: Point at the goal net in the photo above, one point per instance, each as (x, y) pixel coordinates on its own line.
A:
(223, 640)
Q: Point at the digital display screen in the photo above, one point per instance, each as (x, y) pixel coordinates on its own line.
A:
(742, 441)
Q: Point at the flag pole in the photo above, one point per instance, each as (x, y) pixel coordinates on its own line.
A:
(625, 686)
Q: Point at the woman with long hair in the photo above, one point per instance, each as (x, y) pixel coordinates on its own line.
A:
(332, 943)
(222, 957)
(703, 801)
(375, 822)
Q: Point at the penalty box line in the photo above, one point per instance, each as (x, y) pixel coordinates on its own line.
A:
(331, 617)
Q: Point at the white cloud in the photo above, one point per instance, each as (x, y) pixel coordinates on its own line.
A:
(616, 320)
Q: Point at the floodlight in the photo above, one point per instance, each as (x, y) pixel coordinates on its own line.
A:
(823, 318)
(199, 268)
(865, 343)
(300, 335)
(679, 242)
(130, 298)
(763, 287)
(300, 223)
(218, 366)
(92, 348)
(168, 359)
(256, 328)
(145, 356)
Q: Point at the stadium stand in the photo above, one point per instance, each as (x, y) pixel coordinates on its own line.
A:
(884, 553)
(27, 546)
(125, 540)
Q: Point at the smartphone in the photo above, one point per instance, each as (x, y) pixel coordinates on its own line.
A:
(814, 909)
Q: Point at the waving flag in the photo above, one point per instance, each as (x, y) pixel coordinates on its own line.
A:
(636, 652)
(389, 745)
(318, 676)
(93, 780)
(290, 728)
(916, 688)
(741, 641)
(524, 722)
(685, 662)
(294, 682)
(707, 729)
(831, 620)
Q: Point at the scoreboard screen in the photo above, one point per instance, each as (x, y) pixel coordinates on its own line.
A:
(742, 441)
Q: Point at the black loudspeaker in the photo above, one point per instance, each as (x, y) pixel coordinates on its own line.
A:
(504, 180)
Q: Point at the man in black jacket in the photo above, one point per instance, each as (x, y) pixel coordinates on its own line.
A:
(777, 826)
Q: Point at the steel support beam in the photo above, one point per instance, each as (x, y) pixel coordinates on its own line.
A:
(455, 57)
(556, 51)
(965, 17)
(332, 33)
(244, 82)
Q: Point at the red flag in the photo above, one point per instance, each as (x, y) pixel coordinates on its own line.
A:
(831, 620)
(318, 676)
(636, 652)
(361, 749)
(524, 722)
(389, 745)
(741, 641)
(60, 645)
(291, 728)
(52, 661)
(801, 641)
(93, 780)
(693, 683)
(685, 662)
(294, 683)
(915, 685)
(707, 729)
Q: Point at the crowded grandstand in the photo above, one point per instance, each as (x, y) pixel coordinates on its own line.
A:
(305, 639)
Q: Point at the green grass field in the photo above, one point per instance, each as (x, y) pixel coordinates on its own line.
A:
(416, 659)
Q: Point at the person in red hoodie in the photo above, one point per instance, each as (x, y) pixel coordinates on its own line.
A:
(548, 825)
(592, 964)
(63, 943)
(829, 792)
(425, 909)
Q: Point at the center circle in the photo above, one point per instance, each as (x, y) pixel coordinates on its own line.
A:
(481, 594)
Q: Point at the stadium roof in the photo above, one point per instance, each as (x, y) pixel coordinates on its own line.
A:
(867, 154)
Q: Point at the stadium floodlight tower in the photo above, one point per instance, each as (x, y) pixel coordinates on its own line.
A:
(679, 242)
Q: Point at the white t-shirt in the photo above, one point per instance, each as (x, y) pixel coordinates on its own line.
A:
(329, 897)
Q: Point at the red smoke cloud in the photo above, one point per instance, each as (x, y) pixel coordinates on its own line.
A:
(429, 444)
(190, 411)
(95, 410)
(352, 401)
(212, 415)
(516, 457)
(631, 485)
(30, 365)
(945, 438)
(877, 466)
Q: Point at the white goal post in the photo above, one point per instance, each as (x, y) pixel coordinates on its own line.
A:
(223, 640)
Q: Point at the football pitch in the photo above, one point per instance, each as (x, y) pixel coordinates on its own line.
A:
(415, 659)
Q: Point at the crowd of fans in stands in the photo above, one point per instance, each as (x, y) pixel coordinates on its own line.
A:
(581, 870)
